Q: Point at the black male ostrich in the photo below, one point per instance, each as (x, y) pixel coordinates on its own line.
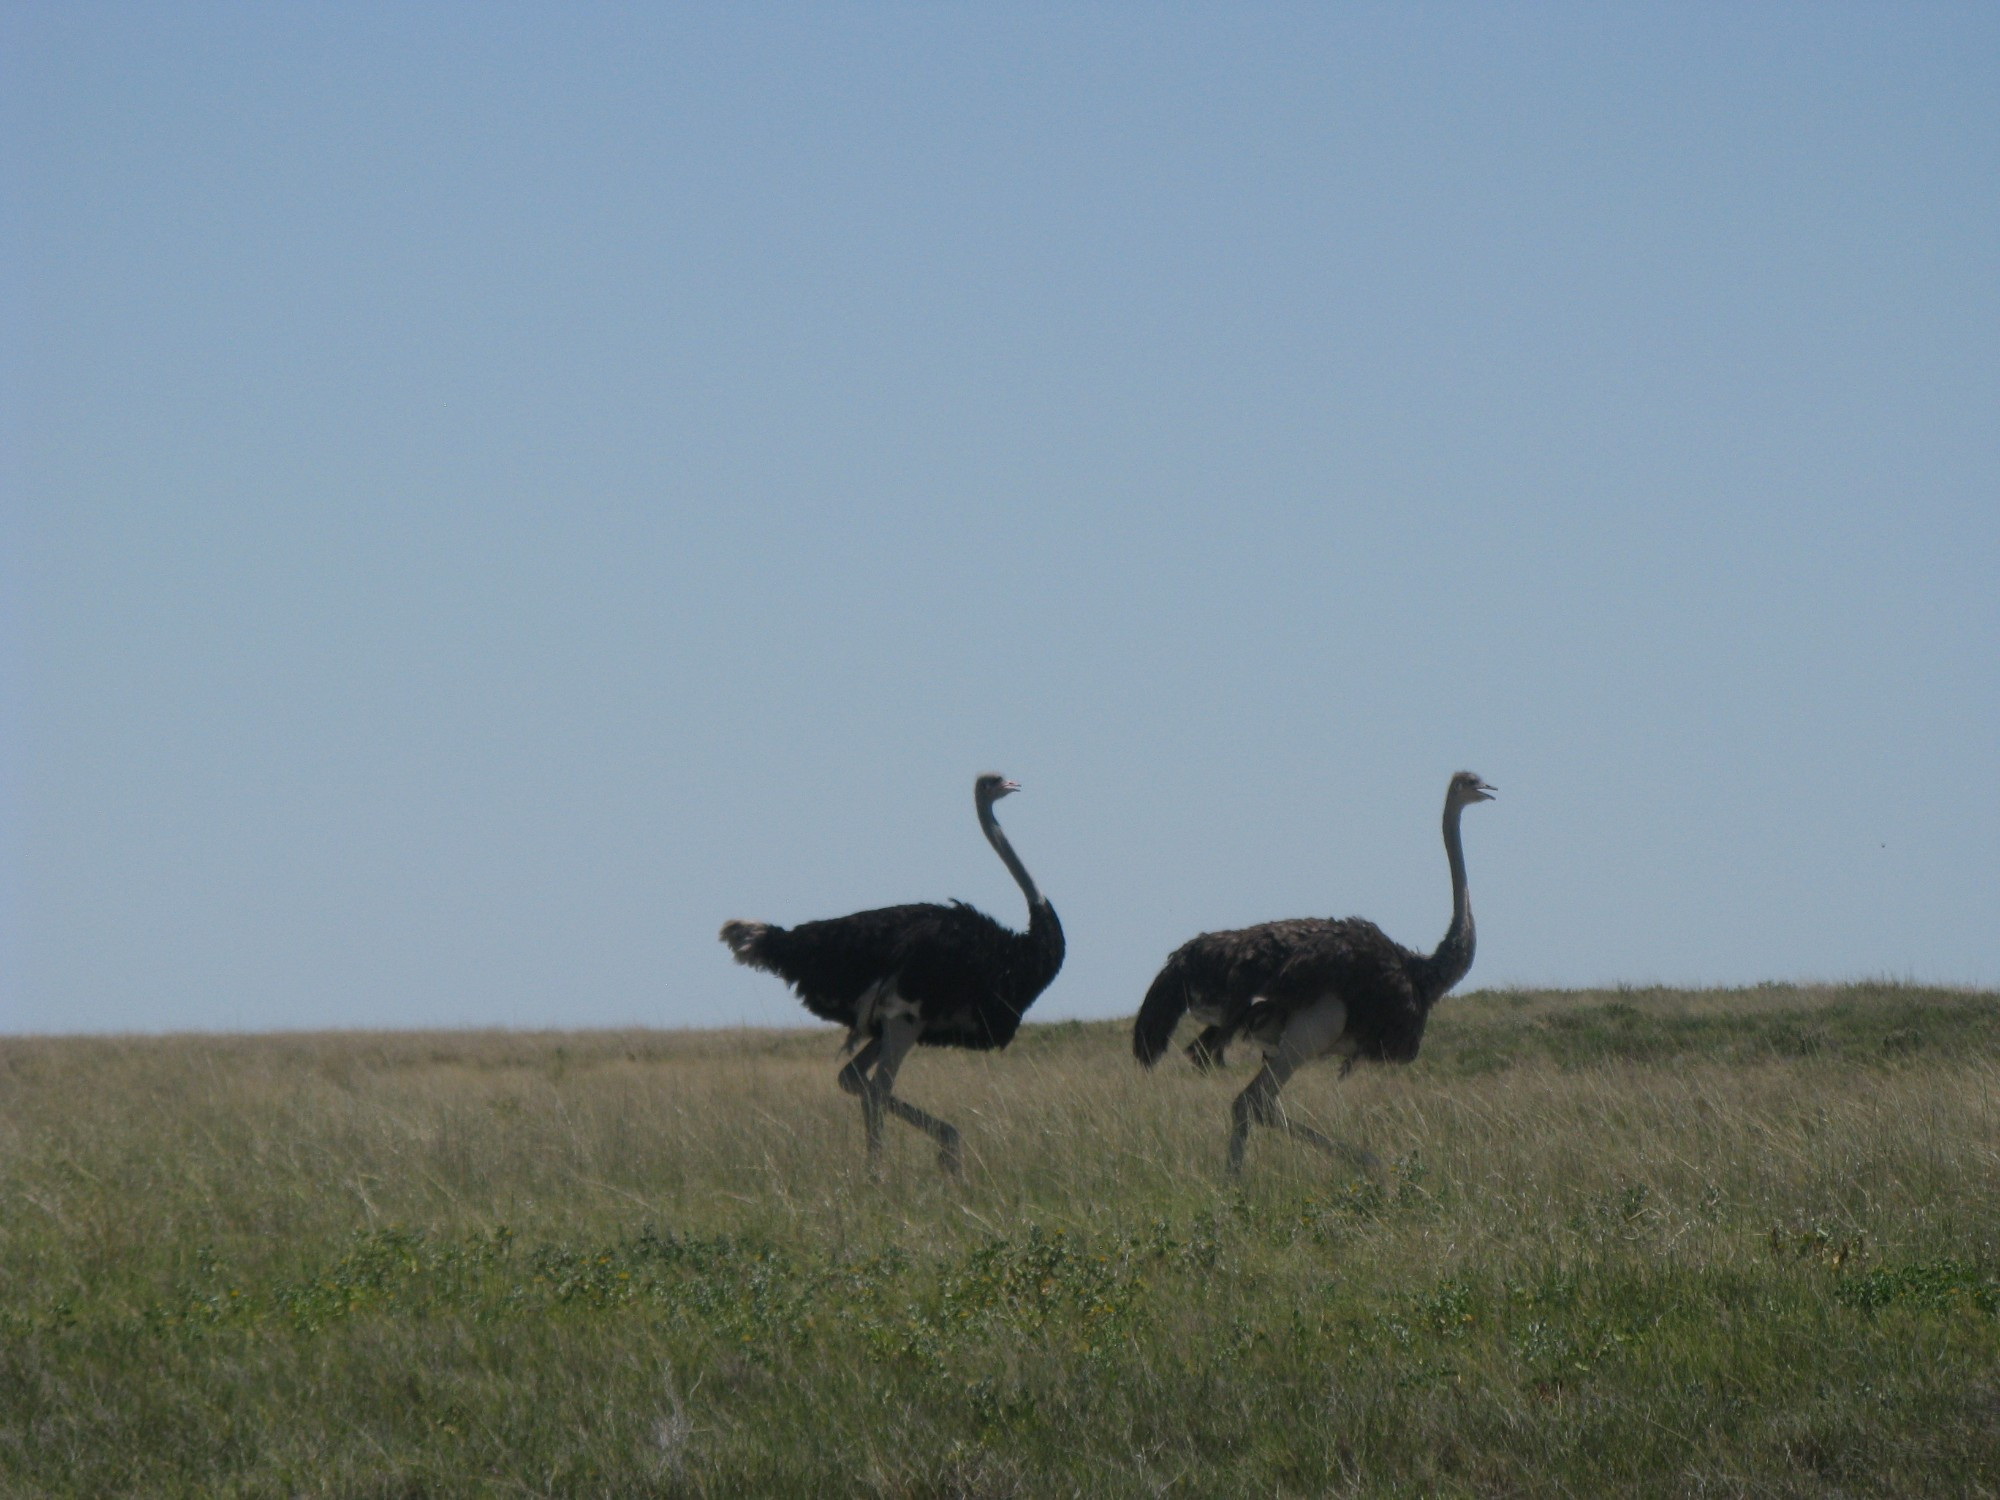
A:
(943, 976)
(1309, 988)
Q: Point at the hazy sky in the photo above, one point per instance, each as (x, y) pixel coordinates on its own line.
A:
(491, 491)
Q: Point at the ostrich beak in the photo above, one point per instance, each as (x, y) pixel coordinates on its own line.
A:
(1009, 786)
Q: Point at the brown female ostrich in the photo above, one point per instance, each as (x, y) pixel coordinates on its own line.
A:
(942, 976)
(1308, 988)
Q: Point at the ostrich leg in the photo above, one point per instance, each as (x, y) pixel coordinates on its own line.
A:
(1205, 1051)
(854, 1077)
(1259, 1103)
(877, 1090)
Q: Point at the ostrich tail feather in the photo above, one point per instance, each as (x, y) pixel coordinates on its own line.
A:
(745, 940)
(1165, 1003)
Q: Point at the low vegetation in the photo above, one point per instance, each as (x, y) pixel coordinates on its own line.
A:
(1634, 1242)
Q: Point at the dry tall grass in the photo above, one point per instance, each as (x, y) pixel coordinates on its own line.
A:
(1587, 1196)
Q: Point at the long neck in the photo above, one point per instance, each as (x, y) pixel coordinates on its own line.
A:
(991, 827)
(1454, 955)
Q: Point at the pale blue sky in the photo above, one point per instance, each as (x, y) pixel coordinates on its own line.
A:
(492, 491)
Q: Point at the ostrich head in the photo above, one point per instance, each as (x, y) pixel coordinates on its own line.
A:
(1466, 787)
(991, 787)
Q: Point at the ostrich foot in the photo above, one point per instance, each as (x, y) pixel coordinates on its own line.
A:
(950, 1155)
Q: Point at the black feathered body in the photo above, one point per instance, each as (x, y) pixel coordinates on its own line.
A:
(1250, 981)
(968, 978)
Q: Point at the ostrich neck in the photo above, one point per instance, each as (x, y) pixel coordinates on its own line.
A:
(1454, 955)
(991, 827)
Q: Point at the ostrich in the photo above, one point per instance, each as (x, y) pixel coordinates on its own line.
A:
(945, 976)
(1308, 988)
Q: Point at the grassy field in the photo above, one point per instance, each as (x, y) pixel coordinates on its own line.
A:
(1632, 1242)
